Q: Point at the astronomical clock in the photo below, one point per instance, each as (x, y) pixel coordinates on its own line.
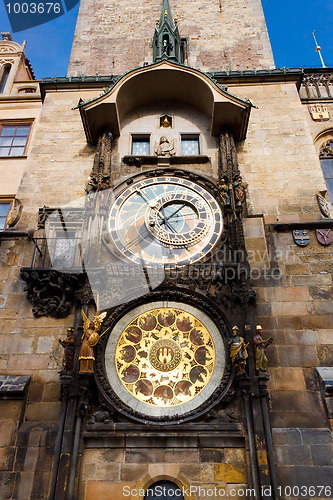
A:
(163, 220)
(164, 358)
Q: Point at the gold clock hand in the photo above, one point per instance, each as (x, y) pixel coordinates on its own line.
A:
(151, 203)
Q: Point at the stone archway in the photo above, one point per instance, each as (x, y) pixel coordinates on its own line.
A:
(166, 490)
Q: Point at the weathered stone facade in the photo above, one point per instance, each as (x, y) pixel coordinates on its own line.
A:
(112, 39)
(60, 438)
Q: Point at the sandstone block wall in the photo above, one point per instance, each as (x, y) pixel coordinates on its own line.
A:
(277, 160)
(114, 38)
(108, 472)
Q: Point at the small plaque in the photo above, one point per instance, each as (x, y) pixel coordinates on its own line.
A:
(319, 112)
(324, 205)
(301, 237)
(324, 236)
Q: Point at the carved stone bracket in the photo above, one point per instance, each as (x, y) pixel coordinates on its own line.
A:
(53, 293)
(263, 379)
(242, 292)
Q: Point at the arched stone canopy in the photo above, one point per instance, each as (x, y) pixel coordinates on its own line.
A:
(165, 82)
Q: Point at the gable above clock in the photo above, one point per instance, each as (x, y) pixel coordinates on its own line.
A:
(165, 82)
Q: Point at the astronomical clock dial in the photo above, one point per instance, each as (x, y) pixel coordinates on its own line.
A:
(164, 359)
(165, 220)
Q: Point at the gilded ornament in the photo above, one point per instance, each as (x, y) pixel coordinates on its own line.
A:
(238, 351)
(165, 357)
(260, 352)
(90, 337)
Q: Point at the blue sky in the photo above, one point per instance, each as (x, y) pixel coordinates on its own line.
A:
(290, 25)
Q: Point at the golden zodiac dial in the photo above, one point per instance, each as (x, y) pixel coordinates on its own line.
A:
(165, 357)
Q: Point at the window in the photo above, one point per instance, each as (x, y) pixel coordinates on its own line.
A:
(190, 144)
(13, 139)
(4, 209)
(63, 251)
(140, 145)
(27, 90)
(326, 160)
(4, 77)
(183, 50)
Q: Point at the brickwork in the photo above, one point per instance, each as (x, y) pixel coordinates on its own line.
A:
(304, 458)
(137, 468)
(112, 39)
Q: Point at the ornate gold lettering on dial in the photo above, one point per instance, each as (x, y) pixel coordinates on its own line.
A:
(165, 357)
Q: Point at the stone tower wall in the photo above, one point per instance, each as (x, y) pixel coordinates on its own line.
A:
(112, 38)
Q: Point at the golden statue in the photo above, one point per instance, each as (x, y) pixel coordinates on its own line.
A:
(239, 189)
(260, 351)
(90, 337)
(224, 191)
(238, 350)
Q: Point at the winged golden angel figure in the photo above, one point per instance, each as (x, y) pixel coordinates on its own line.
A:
(90, 337)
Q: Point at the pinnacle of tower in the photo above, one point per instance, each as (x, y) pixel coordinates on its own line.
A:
(166, 14)
(166, 41)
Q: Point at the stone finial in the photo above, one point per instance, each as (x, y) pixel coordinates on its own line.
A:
(6, 36)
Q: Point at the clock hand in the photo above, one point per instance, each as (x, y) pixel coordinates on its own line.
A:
(136, 240)
(138, 190)
(188, 216)
(151, 203)
(171, 215)
(170, 227)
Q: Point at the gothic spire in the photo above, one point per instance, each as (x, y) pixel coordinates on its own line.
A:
(166, 13)
(166, 41)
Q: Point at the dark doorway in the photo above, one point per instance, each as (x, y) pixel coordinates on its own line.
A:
(165, 490)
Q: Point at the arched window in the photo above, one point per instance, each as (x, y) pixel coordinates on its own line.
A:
(27, 90)
(4, 77)
(164, 490)
(326, 160)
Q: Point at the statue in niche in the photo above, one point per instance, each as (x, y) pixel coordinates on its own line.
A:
(239, 190)
(165, 147)
(69, 345)
(166, 46)
(260, 351)
(238, 351)
(224, 191)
